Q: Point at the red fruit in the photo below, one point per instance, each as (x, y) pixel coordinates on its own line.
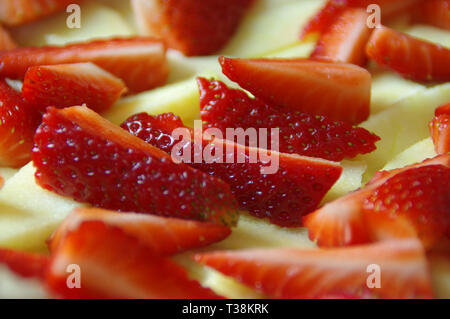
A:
(139, 62)
(27, 265)
(162, 235)
(18, 121)
(198, 27)
(6, 42)
(115, 265)
(412, 58)
(295, 273)
(81, 155)
(17, 12)
(337, 90)
(443, 109)
(434, 12)
(440, 133)
(71, 84)
(412, 203)
(294, 186)
(300, 133)
(345, 40)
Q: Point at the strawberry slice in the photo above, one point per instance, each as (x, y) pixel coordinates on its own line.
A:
(291, 189)
(443, 109)
(140, 62)
(337, 90)
(301, 133)
(6, 42)
(434, 12)
(115, 265)
(71, 84)
(296, 273)
(162, 235)
(198, 27)
(80, 154)
(17, 12)
(342, 223)
(411, 57)
(440, 129)
(27, 265)
(415, 202)
(345, 39)
(18, 121)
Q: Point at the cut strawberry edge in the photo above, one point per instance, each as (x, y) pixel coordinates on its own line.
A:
(24, 264)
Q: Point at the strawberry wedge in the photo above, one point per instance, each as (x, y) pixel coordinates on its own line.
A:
(290, 187)
(440, 129)
(337, 90)
(410, 57)
(295, 273)
(24, 264)
(79, 154)
(6, 42)
(434, 12)
(71, 84)
(162, 235)
(139, 62)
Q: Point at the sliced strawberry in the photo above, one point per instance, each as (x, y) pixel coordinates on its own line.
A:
(415, 202)
(345, 40)
(293, 188)
(434, 12)
(443, 109)
(27, 265)
(198, 27)
(337, 90)
(162, 235)
(6, 42)
(18, 121)
(440, 133)
(71, 84)
(296, 273)
(300, 133)
(411, 57)
(115, 265)
(140, 62)
(17, 12)
(80, 154)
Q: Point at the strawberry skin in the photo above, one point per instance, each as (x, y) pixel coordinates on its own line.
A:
(27, 265)
(300, 133)
(295, 273)
(140, 62)
(284, 196)
(71, 84)
(411, 57)
(345, 40)
(18, 121)
(6, 42)
(162, 235)
(337, 90)
(440, 129)
(115, 265)
(198, 27)
(79, 154)
(434, 12)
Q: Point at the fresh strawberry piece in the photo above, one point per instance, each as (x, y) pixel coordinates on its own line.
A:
(198, 27)
(300, 133)
(115, 265)
(440, 133)
(162, 235)
(411, 57)
(415, 202)
(80, 154)
(434, 12)
(71, 84)
(337, 90)
(291, 189)
(140, 62)
(443, 109)
(18, 121)
(296, 273)
(27, 265)
(17, 12)
(6, 42)
(345, 40)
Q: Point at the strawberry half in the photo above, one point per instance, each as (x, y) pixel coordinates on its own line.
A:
(140, 62)
(295, 273)
(300, 133)
(440, 129)
(292, 189)
(6, 42)
(434, 12)
(411, 57)
(415, 202)
(18, 121)
(71, 84)
(81, 155)
(162, 235)
(345, 40)
(115, 265)
(27, 265)
(198, 27)
(337, 90)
